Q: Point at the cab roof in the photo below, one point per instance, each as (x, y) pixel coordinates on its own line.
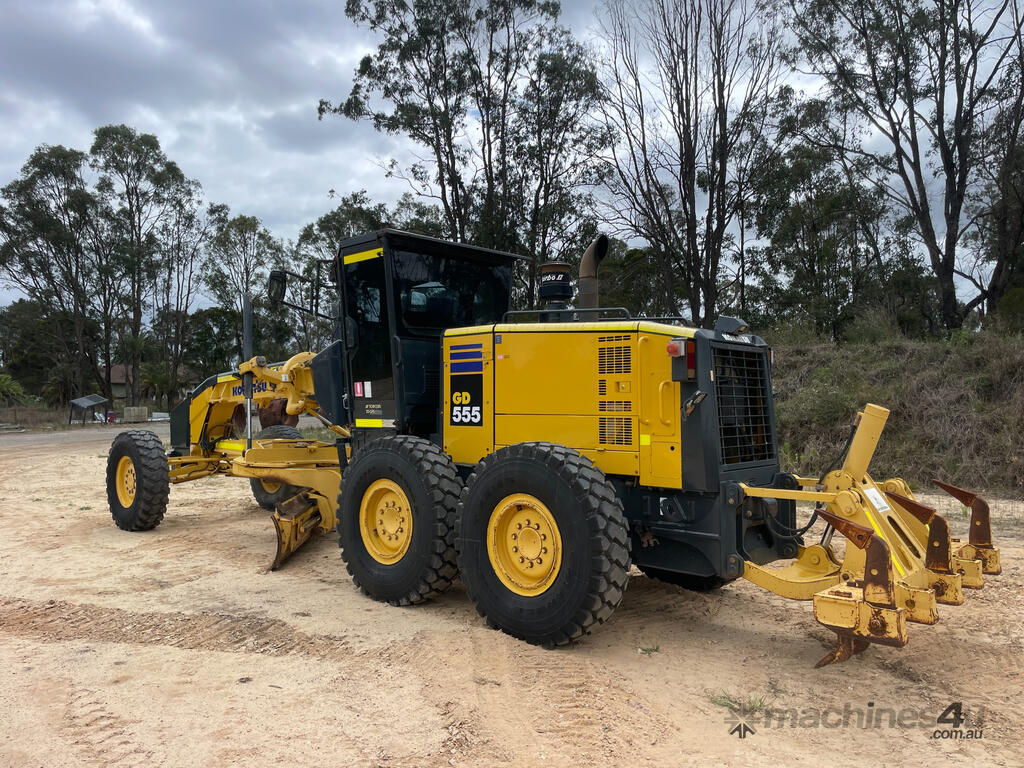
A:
(396, 238)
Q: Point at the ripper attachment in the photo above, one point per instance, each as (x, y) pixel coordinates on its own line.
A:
(900, 561)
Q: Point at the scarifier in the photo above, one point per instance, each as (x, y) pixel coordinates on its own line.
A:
(538, 454)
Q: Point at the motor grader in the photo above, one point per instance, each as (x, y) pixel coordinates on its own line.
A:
(536, 455)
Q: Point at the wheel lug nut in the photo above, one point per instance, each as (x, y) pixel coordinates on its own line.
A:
(519, 526)
(543, 550)
(543, 537)
(530, 564)
(522, 559)
(540, 561)
(515, 536)
(515, 549)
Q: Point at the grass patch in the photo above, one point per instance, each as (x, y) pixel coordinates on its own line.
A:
(748, 706)
(649, 651)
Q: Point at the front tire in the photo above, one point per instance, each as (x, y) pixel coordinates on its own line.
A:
(396, 520)
(138, 480)
(543, 543)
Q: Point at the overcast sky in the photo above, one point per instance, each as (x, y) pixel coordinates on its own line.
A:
(230, 87)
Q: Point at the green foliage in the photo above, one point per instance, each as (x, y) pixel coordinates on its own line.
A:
(630, 278)
(241, 252)
(106, 257)
(214, 339)
(872, 326)
(1011, 310)
(11, 392)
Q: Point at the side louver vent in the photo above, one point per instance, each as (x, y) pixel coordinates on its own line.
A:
(615, 430)
(614, 360)
(610, 406)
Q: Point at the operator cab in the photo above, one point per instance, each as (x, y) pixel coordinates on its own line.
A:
(399, 293)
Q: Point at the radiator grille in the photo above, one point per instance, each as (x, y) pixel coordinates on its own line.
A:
(614, 360)
(741, 386)
(602, 387)
(614, 430)
(610, 406)
(607, 339)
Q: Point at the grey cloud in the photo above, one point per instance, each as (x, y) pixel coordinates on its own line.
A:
(229, 87)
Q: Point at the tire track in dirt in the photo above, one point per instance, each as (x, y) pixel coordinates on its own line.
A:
(58, 621)
(578, 709)
(98, 734)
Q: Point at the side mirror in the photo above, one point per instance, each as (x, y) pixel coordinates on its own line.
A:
(277, 285)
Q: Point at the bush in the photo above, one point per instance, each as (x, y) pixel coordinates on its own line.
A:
(11, 392)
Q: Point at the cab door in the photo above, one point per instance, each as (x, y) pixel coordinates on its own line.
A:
(366, 326)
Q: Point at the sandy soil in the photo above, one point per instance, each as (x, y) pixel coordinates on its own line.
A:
(177, 647)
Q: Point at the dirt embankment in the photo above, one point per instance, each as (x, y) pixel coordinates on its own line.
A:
(957, 407)
(178, 648)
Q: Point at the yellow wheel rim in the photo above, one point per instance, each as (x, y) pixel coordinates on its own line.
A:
(523, 544)
(125, 481)
(385, 522)
(270, 486)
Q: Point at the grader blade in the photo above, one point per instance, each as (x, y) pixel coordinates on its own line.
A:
(979, 546)
(295, 521)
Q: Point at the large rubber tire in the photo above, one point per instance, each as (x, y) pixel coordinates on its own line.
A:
(591, 526)
(138, 480)
(684, 580)
(428, 479)
(269, 495)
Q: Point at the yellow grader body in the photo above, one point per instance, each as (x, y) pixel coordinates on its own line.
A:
(538, 457)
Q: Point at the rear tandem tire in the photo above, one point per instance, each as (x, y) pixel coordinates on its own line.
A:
(543, 544)
(138, 480)
(269, 494)
(396, 519)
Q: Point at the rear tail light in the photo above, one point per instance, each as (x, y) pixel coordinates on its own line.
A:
(686, 349)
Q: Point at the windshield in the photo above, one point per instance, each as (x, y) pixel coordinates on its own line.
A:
(438, 292)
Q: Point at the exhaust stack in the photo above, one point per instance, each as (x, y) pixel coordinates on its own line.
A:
(586, 297)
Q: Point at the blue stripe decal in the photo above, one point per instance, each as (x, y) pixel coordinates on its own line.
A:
(477, 367)
(466, 346)
(477, 355)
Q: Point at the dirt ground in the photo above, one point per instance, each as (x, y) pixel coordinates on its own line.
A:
(177, 647)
